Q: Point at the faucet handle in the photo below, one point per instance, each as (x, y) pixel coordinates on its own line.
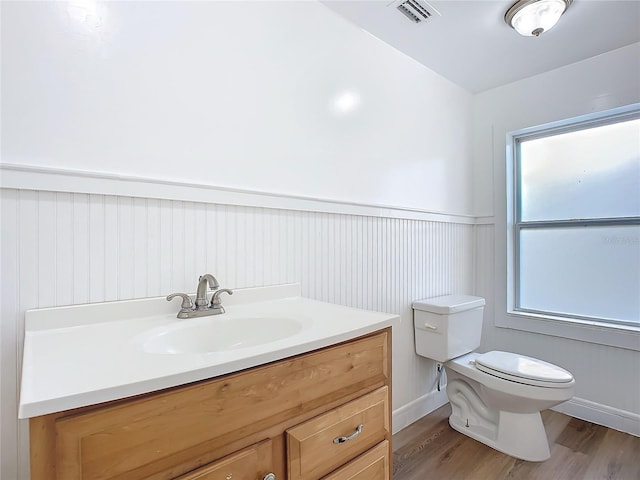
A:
(215, 299)
(186, 300)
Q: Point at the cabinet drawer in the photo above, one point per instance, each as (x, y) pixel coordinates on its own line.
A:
(373, 465)
(252, 463)
(322, 444)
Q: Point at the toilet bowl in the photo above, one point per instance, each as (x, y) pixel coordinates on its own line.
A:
(503, 412)
(495, 397)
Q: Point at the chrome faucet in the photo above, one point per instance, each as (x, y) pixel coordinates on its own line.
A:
(201, 293)
(201, 307)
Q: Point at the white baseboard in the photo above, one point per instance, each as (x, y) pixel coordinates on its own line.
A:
(597, 413)
(611, 417)
(418, 408)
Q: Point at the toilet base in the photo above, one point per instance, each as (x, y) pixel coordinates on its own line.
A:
(520, 435)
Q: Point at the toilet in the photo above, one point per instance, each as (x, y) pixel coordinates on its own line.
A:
(496, 397)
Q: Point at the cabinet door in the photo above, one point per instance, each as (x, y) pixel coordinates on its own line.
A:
(372, 465)
(252, 463)
(324, 443)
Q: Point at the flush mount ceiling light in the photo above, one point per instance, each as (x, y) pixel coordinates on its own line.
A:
(532, 17)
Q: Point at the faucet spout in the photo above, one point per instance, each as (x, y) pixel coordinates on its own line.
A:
(201, 294)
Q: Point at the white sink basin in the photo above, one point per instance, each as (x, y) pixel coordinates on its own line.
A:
(219, 334)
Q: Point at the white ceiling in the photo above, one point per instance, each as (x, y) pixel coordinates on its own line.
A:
(471, 45)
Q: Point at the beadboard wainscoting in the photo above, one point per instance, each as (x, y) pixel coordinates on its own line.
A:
(61, 248)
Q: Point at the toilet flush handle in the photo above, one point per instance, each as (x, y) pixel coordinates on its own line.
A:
(430, 326)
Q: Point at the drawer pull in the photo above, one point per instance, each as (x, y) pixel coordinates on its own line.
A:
(350, 437)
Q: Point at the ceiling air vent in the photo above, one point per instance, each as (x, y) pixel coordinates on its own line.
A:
(416, 10)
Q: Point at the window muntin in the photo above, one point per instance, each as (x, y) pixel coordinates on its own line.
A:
(577, 221)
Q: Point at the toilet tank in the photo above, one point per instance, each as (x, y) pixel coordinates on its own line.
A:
(447, 327)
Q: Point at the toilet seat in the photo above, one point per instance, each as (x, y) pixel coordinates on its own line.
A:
(523, 369)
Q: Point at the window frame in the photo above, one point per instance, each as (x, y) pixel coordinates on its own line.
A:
(597, 330)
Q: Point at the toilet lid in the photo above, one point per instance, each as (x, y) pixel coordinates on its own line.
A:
(520, 368)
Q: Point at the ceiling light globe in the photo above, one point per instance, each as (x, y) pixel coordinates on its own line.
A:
(532, 17)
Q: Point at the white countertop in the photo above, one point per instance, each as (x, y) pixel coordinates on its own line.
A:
(87, 354)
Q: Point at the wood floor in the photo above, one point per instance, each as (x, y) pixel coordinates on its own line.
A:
(431, 449)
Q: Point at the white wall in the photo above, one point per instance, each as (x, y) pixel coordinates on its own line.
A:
(250, 95)
(238, 95)
(608, 385)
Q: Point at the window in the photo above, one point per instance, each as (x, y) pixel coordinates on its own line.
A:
(575, 218)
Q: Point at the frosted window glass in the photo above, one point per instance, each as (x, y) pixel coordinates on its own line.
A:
(592, 173)
(593, 272)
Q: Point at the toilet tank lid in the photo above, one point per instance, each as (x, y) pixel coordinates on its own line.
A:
(447, 304)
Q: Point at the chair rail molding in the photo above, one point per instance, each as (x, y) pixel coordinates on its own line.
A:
(32, 177)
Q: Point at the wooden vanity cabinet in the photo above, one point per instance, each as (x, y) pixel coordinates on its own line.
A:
(277, 418)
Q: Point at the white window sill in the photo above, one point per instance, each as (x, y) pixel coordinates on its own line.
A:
(620, 336)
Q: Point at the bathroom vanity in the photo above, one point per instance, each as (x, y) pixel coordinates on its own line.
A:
(312, 405)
